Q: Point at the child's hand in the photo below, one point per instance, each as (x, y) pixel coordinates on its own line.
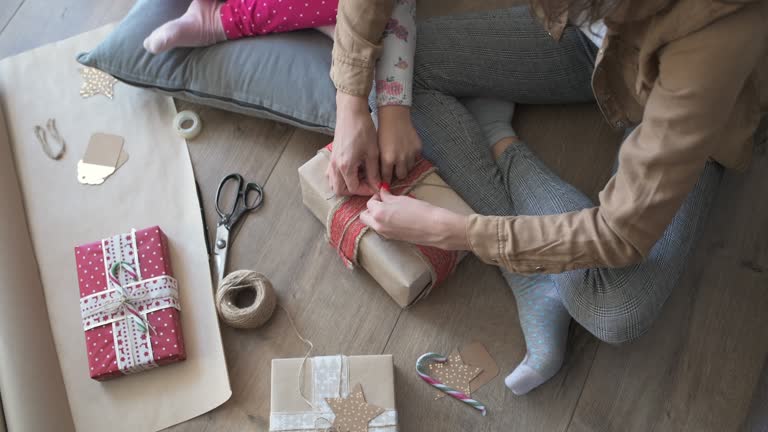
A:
(399, 143)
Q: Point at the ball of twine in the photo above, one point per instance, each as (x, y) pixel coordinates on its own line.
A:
(234, 306)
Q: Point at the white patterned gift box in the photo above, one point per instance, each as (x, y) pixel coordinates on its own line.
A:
(299, 407)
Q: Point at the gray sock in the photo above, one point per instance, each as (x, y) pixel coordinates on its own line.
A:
(545, 322)
(494, 116)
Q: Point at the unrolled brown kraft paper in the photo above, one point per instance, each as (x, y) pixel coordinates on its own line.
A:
(44, 380)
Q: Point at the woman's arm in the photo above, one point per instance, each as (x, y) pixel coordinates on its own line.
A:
(356, 47)
(700, 78)
(357, 44)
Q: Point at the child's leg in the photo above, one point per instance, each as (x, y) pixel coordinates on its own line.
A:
(245, 18)
(207, 22)
(199, 26)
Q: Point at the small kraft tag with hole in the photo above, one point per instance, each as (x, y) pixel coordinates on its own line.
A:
(103, 156)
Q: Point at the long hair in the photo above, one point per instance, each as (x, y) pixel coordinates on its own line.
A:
(590, 10)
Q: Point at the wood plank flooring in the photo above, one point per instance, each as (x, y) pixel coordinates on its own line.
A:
(702, 367)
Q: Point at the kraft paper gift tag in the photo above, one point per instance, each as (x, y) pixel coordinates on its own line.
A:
(476, 355)
(103, 156)
(455, 373)
(122, 159)
(96, 82)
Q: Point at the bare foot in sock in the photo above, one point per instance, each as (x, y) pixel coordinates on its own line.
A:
(199, 26)
(494, 117)
(545, 323)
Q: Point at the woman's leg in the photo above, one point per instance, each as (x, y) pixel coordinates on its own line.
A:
(616, 305)
(501, 54)
(207, 22)
(619, 305)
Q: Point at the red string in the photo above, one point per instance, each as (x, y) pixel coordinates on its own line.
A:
(346, 228)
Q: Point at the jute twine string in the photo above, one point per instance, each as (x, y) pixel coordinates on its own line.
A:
(259, 312)
(412, 185)
(300, 375)
(253, 315)
(42, 138)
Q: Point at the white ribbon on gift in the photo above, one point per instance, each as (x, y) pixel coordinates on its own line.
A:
(330, 379)
(133, 344)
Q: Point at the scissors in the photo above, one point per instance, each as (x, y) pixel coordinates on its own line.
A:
(250, 196)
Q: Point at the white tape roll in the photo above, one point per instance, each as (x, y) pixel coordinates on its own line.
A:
(187, 124)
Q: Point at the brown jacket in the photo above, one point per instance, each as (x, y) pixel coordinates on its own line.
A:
(687, 72)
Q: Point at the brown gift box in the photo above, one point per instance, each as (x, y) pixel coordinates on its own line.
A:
(395, 265)
(322, 378)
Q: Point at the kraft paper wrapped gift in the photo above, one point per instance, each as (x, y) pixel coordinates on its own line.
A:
(402, 269)
(331, 377)
(129, 303)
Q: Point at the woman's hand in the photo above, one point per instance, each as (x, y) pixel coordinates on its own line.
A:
(399, 143)
(354, 166)
(408, 219)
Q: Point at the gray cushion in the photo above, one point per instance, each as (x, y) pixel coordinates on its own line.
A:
(281, 77)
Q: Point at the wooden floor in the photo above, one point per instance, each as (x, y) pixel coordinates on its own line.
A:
(701, 368)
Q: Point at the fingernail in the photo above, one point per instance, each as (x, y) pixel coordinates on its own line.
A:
(384, 185)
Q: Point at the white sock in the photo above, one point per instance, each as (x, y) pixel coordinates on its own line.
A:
(494, 116)
(545, 323)
(199, 26)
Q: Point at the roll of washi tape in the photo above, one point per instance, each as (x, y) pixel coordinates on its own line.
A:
(245, 299)
(187, 124)
(421, 370)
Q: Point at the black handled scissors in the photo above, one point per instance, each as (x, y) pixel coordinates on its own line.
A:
(249, 197)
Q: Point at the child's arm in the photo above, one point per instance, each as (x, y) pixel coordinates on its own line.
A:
(394, 70)
(399, 143)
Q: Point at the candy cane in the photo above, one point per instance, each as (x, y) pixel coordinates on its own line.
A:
(421, 369)
(141, 320)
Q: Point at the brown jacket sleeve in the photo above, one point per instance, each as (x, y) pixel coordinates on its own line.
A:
(357, 44)
(700, 77)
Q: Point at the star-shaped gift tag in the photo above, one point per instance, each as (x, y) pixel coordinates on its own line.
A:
(96, 82)
(353, 413)
(454, 373)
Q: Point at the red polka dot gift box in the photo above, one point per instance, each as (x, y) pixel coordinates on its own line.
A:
(129, 303)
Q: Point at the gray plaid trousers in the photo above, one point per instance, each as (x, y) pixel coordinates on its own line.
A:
(506, 54)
